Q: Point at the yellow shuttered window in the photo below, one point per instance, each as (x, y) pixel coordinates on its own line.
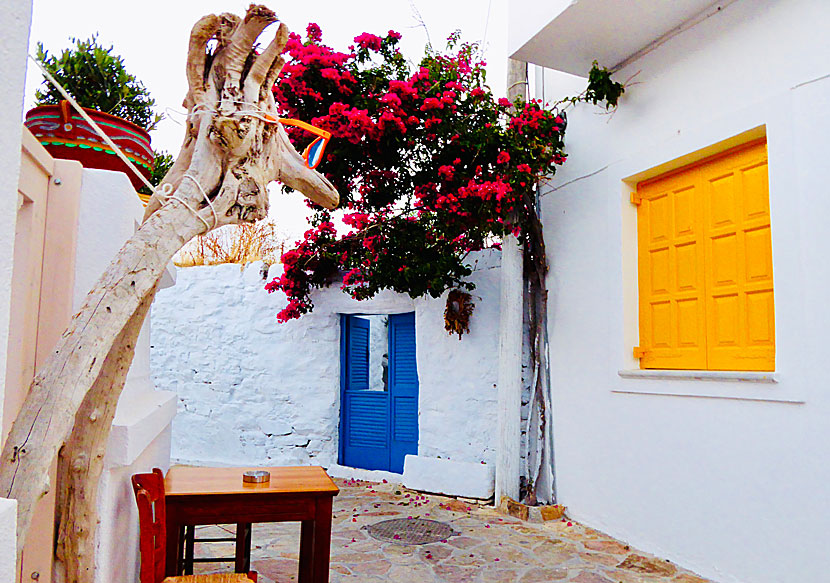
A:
(705, 265)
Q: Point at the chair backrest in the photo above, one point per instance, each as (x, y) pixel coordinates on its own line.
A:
(149, 495)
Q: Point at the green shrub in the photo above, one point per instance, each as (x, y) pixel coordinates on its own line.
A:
(97, 79)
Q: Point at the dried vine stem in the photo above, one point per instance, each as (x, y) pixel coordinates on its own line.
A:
(535, 270)
(231, 151)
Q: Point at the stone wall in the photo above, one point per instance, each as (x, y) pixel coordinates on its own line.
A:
(253, 391)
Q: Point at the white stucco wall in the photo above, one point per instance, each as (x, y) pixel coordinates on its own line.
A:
(8, 540)
(253, 391)
(729, 479)
(14, 29)
(140, 440)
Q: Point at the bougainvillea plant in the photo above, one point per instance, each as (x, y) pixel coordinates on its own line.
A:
(429, 164)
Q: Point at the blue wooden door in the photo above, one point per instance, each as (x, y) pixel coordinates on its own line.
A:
(378, 427)
(403, 389)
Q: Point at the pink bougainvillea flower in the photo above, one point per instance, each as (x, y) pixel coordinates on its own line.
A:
(446, 172)
(329, 73)
(404, 88)
(313, 32)
(431, 103)
(391, 99)
(368, 41)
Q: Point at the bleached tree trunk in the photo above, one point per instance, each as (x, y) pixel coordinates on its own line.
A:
(233, 148)
(82, 457)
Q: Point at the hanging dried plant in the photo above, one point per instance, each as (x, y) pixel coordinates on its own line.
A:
(457, 313)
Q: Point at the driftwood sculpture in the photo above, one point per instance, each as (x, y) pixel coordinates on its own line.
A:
(233, 147)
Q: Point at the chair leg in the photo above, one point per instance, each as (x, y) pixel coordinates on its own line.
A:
(243, 547)
(189, 544)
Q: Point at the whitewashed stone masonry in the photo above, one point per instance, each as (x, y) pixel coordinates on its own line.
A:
(253, 391)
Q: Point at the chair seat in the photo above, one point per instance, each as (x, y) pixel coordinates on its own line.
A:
(211, 578)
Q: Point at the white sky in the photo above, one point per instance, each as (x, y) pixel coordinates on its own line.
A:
(152, 37)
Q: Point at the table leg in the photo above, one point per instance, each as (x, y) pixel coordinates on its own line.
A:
(243, 547)
(173, 554)
(306, 573)
(322, 539)
(189, 546)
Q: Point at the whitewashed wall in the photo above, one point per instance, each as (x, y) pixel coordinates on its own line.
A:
(109, 213)
(14, 28)
(8, 540)
(253, 391)
(727, 478)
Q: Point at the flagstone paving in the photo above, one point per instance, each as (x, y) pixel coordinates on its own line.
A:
(490, 547)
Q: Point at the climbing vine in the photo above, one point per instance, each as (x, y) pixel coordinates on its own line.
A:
(431, 166)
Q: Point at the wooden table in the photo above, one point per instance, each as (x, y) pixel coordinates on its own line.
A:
(219, 496)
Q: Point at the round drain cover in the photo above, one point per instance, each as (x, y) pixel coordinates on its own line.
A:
(410, 531)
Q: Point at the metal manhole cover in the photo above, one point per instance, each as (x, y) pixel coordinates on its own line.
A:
(410, 531)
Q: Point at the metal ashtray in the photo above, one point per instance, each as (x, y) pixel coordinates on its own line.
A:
(256, 476)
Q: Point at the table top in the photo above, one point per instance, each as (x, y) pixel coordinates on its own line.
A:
(198, 481)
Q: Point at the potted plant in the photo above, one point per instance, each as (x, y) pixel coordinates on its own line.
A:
(114, 99)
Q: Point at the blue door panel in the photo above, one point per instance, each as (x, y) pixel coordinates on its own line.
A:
(358, 354)
(367, 441)
(364, 423)
(404, 369)
(404, 388)
(405, 412)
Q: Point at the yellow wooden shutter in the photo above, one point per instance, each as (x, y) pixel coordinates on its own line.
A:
(672, 298)
(705, 265)
(739, 285)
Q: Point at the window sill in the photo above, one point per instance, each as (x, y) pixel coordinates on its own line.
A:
(737, 386)
(700, 375)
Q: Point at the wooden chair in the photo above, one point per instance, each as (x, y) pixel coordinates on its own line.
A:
(149, 496)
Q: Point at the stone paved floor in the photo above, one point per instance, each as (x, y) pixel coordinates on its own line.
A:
(491, 548)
